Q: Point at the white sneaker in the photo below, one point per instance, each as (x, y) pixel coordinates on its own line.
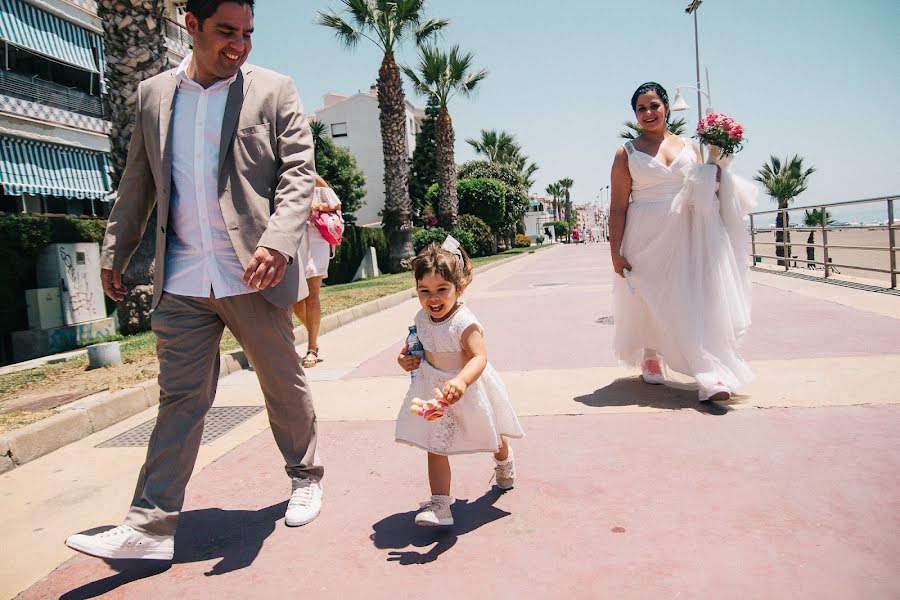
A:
(124, 542)
(435, 512)
(305, 503)
(505, 472)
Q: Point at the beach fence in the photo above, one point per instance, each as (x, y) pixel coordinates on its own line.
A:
(865, 249)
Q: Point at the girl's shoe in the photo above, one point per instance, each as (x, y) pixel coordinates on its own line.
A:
(435, 512)
(505, 472)
(717, 392)
(651, 372)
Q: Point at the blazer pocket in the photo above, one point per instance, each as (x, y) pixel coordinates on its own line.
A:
(253, 130)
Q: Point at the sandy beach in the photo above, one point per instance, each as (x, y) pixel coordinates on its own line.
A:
(875, 258)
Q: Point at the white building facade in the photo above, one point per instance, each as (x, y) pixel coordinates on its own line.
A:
(540, 212)
(352, 122)
(54, 131)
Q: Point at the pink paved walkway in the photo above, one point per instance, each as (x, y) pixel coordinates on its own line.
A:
(787, 503)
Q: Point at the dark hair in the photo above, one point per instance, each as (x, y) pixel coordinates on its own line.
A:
(434, 259)
(204, 9)
(651, 86)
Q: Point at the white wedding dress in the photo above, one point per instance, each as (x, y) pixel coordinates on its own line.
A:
(688, 246)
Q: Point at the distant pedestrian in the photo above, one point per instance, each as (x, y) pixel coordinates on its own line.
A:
(467, 407)
(315, 252)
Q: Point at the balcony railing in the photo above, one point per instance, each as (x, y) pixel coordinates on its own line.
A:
(177, 32)
(50, 94)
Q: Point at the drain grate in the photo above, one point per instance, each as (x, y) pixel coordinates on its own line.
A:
(219, 421)
(606, 320)
(550, 284)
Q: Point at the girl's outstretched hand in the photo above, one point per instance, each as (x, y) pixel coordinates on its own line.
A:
(453, 390)
(408, 362)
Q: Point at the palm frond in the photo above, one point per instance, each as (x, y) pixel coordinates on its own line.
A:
(430, 29)
(345, 33)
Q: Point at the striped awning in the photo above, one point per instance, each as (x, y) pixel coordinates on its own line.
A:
(30, 167)
(31, 28)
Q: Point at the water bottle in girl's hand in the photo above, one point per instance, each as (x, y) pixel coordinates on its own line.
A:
(414, 346)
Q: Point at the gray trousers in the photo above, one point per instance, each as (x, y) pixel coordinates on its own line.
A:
(188, 332)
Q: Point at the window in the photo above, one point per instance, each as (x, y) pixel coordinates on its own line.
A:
(339, 129)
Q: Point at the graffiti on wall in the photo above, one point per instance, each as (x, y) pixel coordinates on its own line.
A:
(80, 293)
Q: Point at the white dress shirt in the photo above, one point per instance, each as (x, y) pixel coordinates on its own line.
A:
(200, 258)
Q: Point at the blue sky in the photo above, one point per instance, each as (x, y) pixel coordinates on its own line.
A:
(817, 78)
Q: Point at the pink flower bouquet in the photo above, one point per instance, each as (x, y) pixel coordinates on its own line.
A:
(720, 130)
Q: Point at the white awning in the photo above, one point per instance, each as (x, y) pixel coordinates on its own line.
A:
(31, 28)
(30, 167)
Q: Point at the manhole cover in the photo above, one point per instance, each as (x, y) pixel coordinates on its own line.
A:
(605, 320)
(219, 421)
(549, 284)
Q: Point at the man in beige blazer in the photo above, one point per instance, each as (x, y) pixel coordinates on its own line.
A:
(224, 152)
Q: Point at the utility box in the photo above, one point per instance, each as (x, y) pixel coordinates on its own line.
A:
(74, 269)
(44, 308)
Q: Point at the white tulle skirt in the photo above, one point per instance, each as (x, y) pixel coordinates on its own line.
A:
(690, 270)
(473, 424)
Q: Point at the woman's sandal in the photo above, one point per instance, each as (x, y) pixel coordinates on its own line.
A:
(311, 362)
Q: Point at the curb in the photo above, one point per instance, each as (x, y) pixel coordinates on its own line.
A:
(95, 413)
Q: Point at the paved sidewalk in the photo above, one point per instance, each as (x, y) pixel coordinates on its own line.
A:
(627, 491)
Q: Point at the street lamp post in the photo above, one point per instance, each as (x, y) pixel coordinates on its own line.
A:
(692, 9)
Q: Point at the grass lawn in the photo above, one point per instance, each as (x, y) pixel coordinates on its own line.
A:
(139, 351)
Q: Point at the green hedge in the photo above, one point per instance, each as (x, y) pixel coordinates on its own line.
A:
(484, 198)
(423, 237)
(353, 248)
(22, 238)
(482, 236)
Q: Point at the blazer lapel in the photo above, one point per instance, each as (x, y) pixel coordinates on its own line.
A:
(236, 93)
(166, 105)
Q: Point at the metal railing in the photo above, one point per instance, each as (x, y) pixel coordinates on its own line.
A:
(177, 32)
(50, 94)
(827, 263)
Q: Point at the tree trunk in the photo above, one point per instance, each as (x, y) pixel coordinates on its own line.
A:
(135, 50)
(811, 250)
(448, 205)
(397, 205)
(782, 220)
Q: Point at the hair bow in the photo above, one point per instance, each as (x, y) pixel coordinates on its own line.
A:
(451, 244)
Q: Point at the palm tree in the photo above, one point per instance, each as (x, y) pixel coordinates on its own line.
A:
(317, 128)
(633, 129)
(503, 148)
(565, 185)
(554, 191)
(387, 24)
(135, 50)
(496, 147)
(814, 218)
(784, 181)
(442, 75)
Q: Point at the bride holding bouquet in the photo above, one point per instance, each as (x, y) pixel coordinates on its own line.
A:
(679, 244)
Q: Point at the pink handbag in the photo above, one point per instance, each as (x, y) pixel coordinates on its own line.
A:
(331, 226)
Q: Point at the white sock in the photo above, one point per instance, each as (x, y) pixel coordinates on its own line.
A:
(503, 463)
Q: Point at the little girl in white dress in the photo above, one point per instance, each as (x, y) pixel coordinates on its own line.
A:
(475, 414)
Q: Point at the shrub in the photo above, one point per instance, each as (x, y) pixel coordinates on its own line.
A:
(522, 241)
(482, 236)
(561, 228)
(483, 198)
(539, 240)
(353, 248)
(431, 197)
(423, 237)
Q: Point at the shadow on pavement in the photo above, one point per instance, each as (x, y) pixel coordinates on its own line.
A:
(632, 391)
(234, 536)
(400, 531)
